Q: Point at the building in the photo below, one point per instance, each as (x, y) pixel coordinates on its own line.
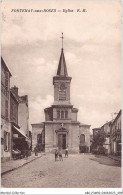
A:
(61, 127)
(14, 117)
(14, 102)
(38, 136)
(105, 129)
(23, 115)
(96, 131)
(112, 134)
(91, 138)
(85, 140)
(30, 138)
(19, 122)
(15, 134)
(93, 145)
(5, 113)
(115, 137)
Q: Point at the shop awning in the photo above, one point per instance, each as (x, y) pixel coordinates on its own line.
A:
(27, 139)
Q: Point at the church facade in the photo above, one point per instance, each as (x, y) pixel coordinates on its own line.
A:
(61, 127)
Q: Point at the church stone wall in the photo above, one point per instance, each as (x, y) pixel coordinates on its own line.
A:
(56, 89)
(55, 113)
(74, 116)
(61, 120)
(68, 92)
(48, 114)
(57, 83)
(49, 137)
(75, 138)
(47, 118)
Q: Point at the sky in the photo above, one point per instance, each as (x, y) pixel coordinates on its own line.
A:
(31, 47)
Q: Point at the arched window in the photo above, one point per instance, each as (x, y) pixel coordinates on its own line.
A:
(58, 114)
(62, 114)
(66, 114)
(82, 138)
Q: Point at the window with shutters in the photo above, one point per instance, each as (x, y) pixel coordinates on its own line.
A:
(6, 141)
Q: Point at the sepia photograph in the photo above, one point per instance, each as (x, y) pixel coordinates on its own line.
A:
(61, 101)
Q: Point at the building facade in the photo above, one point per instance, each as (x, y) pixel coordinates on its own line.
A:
(115, 137)
(38, 136)
(5, 113)
(61, 127)
(14, 117)
(106, 130)
(14, 102)
(96, 131)
(19, 122)
(23, 115)
(112, 134)
(85, 141)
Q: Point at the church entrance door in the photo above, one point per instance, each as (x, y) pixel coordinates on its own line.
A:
(62, 141)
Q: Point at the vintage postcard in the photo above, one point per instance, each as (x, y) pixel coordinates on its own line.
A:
(61, 97)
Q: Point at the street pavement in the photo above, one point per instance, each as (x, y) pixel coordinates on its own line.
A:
(76, 171)
(15, 164)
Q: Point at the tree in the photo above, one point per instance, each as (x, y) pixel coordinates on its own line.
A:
(98, 139)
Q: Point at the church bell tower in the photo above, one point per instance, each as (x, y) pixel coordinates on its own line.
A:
(62, 82)
(61, 125)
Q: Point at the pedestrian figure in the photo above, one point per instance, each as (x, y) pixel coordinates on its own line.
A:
(36, 151)
(56, 155)
(26, 154)
(60, 155)
(66, 152)
(26, 150)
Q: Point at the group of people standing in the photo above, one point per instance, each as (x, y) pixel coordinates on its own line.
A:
(58, 153)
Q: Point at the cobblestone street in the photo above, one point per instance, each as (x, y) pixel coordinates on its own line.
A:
(78, 170)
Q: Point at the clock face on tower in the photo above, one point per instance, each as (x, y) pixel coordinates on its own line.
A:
(62, 86)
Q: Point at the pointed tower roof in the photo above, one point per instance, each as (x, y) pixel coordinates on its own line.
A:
(62, 69)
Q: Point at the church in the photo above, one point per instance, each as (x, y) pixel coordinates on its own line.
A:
(61, 128)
